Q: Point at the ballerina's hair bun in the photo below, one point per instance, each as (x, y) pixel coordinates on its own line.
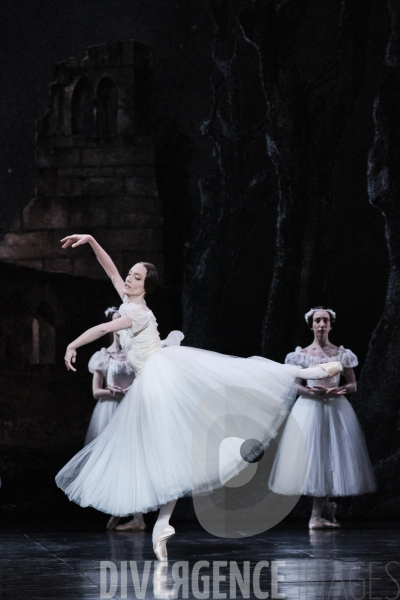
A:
(309, 315)
(151, 279)
(110, 312)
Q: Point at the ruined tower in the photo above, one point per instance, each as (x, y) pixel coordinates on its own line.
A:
(95, 167)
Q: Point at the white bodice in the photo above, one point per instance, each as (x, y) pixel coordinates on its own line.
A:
(140, 345)
(142, 339)
(305, 360)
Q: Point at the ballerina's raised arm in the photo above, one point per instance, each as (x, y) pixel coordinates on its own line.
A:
(98, 331)
(104, 259)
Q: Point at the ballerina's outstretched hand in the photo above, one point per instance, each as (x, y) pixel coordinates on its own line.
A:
(78, 239)
(69, 358)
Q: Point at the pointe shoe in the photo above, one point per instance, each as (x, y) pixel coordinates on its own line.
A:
(160, 545)
(131, 526)
(112, 521)
(331, 368)
(321, 523)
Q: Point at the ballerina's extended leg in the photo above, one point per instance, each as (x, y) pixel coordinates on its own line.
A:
(321, 371)
(163, 531)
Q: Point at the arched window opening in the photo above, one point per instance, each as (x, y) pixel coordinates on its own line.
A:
(82, 108)
(106, 108)
(46, 311)
(43, 336)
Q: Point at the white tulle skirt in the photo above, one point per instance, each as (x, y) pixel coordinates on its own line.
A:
(338, 461)
(164, 441)
(102, 413)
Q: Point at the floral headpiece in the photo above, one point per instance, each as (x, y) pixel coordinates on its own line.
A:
(111, 311)
(313, 310)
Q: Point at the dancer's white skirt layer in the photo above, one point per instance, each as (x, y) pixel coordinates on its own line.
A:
(338, 465)
(152, 450)
(102, 413)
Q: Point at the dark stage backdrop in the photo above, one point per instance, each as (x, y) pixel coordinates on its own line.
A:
(276, 166)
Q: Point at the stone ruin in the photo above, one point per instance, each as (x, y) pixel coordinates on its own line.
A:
(95, 167)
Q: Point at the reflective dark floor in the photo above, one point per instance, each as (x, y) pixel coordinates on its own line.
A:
(353, 562)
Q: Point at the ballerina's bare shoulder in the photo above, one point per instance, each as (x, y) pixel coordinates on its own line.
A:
(141, 306)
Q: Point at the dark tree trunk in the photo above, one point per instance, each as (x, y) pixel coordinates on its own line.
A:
(232, 199)
(273, 115)
(378, 397)
(309, 110)
(272, 31)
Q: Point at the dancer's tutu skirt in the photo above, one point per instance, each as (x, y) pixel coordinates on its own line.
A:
(164, 440)
(338, 460)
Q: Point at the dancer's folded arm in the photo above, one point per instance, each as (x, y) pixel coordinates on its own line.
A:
(92, 334)
(325, 393)
(102, 393)
(305, 391)
(104, 259)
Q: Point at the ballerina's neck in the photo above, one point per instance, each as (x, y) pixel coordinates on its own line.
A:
(317, 351)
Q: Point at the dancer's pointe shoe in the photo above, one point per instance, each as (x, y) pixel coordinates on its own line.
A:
(112, 521)
(160, 544)
(321, 523)
(131, 526)
(331, 368)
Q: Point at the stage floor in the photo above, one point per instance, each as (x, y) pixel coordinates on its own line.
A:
(353, 562)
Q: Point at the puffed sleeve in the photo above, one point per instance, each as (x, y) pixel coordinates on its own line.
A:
(99, 362)
(348, 358)
(174, 338)
(297, 358)
(140, 318)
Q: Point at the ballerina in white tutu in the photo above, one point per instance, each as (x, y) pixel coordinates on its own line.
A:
(112, 377)
(339, 464)
(144, 459)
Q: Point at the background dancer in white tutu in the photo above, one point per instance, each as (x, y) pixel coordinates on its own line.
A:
(339, 464)
(144, 459)
(112, 377)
